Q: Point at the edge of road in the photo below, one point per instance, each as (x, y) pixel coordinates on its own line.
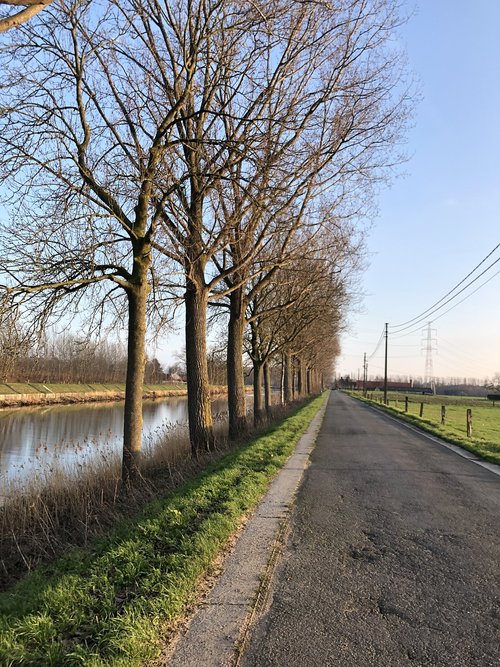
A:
(464, 453)
(217, 632)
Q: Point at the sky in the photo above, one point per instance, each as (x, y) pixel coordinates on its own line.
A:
(441, 218)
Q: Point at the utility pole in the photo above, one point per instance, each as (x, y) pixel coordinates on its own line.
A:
(365, 373)
(385, 369)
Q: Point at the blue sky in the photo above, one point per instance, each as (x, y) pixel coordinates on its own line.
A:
(442, 217)
(437, 222)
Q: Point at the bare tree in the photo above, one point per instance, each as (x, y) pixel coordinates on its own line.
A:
(331, 122)
(14, 344)
(128, 118)
(116, 126)
(83, 134)
(217, 371)
(66, 357)
(227, 46)
(298, 314)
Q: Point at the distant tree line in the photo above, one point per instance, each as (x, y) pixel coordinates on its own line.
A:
(66, 359)
(213, 154)
(449, 386)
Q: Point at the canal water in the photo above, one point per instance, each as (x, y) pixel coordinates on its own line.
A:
(38, 440)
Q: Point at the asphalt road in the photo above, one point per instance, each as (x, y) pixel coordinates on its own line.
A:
(393, 556)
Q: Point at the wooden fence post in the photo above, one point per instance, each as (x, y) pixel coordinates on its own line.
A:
(469, 422)
(443, 414)
(406, 403)
(421, 409)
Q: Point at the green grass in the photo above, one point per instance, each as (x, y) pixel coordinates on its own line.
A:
(66, 388)
(111, 604)
(18, 388)
(7, 389)
(485, 439)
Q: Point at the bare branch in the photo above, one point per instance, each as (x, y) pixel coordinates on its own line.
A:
(32, 8)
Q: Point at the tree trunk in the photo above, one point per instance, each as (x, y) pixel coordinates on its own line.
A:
(288, 378)
(199, 404)
(282, 380)
(235, 377)
(258, 406)
(136, 360)
(300, 379)
(316, 385)
(308, 381)
(267, 388)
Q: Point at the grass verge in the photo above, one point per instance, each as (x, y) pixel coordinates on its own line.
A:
(483, 443)
(77, 388)
(111, 603)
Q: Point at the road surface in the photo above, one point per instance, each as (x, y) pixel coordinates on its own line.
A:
(393, 556)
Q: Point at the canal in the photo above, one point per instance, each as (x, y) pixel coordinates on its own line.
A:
(38, 440)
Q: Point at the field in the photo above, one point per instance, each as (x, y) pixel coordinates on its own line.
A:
(16, 394)
(485, 437)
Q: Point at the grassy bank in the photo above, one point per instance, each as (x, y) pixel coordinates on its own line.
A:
(24, 394)
(485, 438)
(111, 603)
(13, 388)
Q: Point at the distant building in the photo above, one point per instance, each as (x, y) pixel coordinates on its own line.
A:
(373, 385)
(175, 377)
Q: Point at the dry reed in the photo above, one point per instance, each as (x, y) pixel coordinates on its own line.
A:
(58, 511)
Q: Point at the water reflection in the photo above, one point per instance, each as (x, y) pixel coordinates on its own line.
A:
(34, 441)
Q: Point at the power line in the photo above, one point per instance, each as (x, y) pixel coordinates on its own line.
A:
(432, 310)
(377, 346)
(467, 296)
(401, 335)
(436, 307)
(425, 313)
(430, 341)
(450, 360)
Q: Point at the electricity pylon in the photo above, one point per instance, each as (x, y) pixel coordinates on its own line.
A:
(430, 347)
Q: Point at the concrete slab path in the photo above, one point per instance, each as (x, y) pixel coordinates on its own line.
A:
(219, 626)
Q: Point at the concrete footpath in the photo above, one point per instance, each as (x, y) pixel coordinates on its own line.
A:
(389, 557)
(218, 629)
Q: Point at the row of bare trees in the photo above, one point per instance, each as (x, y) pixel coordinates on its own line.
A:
(213, 153)
(65, 358)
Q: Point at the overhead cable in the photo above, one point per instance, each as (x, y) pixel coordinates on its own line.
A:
(425, 313)
(419, 328)
(377, 346)
(430, 311)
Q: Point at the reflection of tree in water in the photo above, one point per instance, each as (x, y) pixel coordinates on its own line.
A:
(33, 440)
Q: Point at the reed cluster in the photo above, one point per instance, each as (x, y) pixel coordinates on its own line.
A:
(59, 508)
